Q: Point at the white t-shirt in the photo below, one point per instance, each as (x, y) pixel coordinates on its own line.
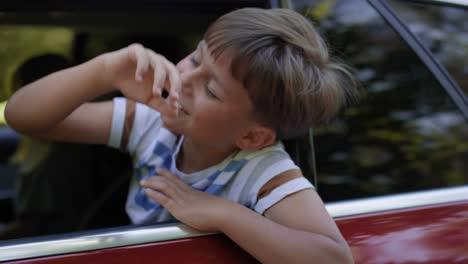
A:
(239, 178)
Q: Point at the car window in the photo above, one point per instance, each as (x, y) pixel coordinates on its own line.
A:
(405, 133)
(442, 29)
(46, 187)
(54, 188)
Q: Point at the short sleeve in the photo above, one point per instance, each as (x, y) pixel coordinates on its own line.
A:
(280, 192)
(118, 121)
(146, 127)
(275, 177)
(134, 126)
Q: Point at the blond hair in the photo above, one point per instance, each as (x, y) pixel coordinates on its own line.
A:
(284, 65)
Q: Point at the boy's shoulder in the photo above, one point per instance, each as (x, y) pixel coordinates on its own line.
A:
(266, 162)
(261, 178)
(277, 149)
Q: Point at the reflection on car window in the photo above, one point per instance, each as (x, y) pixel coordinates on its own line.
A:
(442, 29)
(405, 134)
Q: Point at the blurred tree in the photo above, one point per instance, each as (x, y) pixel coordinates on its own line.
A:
(405, 134)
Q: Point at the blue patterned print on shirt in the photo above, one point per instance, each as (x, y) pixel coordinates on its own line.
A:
(162, 158)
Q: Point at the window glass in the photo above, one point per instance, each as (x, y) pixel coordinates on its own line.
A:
(46, 187)
(442, 29)
(404, 134)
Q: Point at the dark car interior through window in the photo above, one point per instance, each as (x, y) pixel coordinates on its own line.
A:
(61, 187)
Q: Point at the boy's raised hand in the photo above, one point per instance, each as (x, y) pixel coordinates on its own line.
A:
(141, 75)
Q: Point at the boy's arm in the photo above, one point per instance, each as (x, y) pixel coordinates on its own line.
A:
(52, 107)
(55, 106)
(297, 229)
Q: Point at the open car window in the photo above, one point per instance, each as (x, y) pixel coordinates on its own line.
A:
(56, 187)
(59, 187)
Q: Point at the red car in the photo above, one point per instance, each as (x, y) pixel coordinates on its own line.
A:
(392, 168)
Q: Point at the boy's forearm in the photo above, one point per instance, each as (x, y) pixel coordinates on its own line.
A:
(271, 242)
(45, 102)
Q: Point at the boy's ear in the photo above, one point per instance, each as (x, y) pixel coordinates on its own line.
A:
(256, 138)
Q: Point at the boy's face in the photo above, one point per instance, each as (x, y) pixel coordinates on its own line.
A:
(216, 108)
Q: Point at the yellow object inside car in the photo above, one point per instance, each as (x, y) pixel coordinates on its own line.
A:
(2, 113)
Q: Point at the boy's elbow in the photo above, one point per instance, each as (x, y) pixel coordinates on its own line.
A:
(339, 252)
(331, 251)
(9, 114)
(342, 254)
(14, 120)
(336, 253)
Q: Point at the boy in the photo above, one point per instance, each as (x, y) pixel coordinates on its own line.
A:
(257, 76)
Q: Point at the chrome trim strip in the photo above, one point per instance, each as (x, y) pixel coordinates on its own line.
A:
(457, 2)
(135, 236)
(452, 2)
(398, 201)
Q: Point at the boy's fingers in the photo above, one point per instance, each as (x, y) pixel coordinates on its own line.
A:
(162, 106)
(157, 64)
(163, 185)
(138, 53)
(164, 72)
(158, 103)
(174, 78)
(158, 197)
(172, 177)
(174, 84)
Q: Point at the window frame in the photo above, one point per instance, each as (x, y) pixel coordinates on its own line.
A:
(439, 72)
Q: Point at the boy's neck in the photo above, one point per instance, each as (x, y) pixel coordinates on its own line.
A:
(194, 157)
